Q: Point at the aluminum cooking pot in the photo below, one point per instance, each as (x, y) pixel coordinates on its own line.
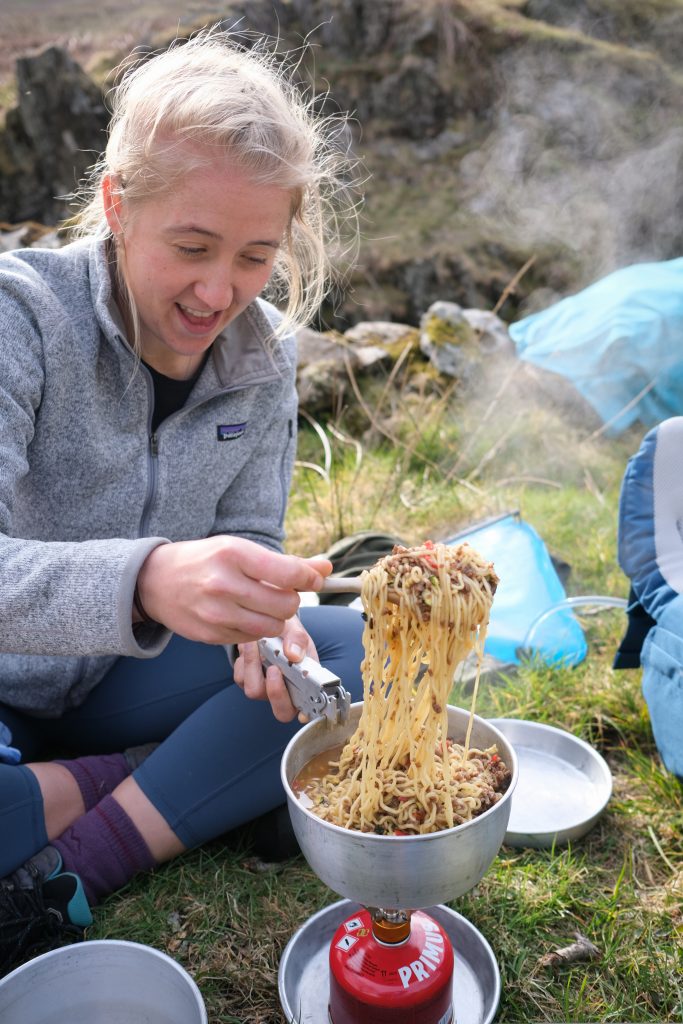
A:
(397, 872)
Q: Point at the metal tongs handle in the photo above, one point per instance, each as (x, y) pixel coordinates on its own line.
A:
(341, 585)
(314, 690)
(352, 585)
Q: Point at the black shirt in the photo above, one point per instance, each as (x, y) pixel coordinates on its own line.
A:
(170, 394)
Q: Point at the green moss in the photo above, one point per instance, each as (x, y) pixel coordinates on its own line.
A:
(441, 331)
(396, 348)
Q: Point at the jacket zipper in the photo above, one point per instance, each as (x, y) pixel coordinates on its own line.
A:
(154, 440)
(152, 458)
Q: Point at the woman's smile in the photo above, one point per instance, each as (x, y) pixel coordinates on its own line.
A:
(198, 321)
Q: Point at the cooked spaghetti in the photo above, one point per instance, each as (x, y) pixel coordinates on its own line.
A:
(426, 608)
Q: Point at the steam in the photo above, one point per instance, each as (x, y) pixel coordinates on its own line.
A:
(587, 158)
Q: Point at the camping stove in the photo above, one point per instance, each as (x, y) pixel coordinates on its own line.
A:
(390, 960)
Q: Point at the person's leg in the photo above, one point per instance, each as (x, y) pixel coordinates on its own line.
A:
(37, 908)
(221, 767)
(138, 700)
(218, 768)
(61, 795)
(142, 700)
(22, 821)
(72, 787)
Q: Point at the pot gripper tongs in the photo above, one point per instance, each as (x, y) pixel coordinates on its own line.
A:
(314, 690)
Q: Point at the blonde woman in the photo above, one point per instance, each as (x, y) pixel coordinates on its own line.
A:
(148, 415)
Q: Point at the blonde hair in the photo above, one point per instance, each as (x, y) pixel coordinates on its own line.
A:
(241, 103)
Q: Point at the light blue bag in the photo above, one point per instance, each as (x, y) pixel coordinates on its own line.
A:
(528, 614)
(662, 661)
(615, 340)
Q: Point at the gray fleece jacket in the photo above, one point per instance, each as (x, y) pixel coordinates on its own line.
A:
(86, 491)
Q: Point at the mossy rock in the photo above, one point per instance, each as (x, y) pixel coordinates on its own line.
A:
(439, 331)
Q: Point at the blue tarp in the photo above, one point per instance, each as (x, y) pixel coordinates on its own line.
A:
(529, 586)
(617, 338)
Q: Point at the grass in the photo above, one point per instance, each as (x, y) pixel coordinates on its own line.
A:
(425, 461)
(228, 918)
(621, 886)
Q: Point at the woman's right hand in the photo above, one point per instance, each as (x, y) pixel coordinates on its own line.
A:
(224, 589)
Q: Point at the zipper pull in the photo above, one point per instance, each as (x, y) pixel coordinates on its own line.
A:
(154, 444)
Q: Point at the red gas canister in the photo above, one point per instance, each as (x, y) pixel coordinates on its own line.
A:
(374, 981)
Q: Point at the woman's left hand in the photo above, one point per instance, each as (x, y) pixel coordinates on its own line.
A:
(248, 670)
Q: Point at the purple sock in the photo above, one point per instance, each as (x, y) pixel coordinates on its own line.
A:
(105, 849)
(97, 775)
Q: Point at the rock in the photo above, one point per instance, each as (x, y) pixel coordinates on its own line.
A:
(456, 340)
(350, 26)
(323, 377)
(50, 139)
(321, 386)
(553, 391)
(382, 332)
(10, 240)
(442, 145)
(371, 356)
(29, 234)
(448, 340)
(314, 346)
(411, 101)
(492, 333)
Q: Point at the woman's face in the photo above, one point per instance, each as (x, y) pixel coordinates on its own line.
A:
(194, 258)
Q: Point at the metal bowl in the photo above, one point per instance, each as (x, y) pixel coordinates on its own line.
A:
(564, 784)
(407, 872)
(104, 981)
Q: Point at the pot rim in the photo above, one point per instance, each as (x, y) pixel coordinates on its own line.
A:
(511, 761)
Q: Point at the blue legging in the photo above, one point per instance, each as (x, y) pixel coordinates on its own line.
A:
(218, 762)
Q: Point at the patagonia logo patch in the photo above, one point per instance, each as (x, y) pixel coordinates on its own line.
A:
(229, 431)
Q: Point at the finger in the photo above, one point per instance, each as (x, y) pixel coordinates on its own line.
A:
(278, 695)
(296, 642)
(323, 567)
(232, 636)
(239, 666)
(263, 601)
(238, 671)
(288, 572)
(253, 683)
(254, 610)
